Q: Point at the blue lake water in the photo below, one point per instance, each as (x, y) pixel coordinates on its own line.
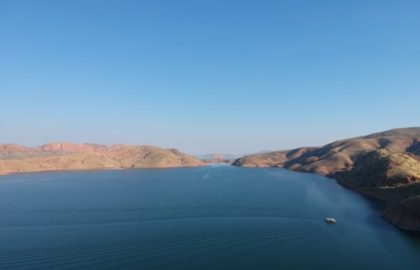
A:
(218, 217)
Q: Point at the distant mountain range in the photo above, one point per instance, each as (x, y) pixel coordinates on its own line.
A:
(384, 165)
(218, 158)
(68, 156)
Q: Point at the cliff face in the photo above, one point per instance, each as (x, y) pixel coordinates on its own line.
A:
(384, 166)
(68, 156)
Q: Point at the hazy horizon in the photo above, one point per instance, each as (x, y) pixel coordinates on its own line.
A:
(208, 76)
(197, 154)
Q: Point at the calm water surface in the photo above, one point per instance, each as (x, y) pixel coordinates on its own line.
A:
(201, 218)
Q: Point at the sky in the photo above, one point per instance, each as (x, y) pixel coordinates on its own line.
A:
(207, 76)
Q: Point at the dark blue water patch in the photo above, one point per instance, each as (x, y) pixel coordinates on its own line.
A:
(217, 217)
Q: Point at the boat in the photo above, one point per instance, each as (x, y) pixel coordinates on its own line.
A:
(330, 220)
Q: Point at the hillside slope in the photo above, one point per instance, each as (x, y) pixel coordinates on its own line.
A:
(383, 165)
(68, 156)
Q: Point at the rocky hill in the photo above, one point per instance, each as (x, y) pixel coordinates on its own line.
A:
(383, 165)
(69, 156)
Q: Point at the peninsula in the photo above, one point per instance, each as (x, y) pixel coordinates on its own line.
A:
(384, 166)
(69, 156)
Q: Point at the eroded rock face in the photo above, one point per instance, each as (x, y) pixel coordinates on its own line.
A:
(69, 156)
(385, 166)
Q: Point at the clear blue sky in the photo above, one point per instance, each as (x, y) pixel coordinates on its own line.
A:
(207, 76)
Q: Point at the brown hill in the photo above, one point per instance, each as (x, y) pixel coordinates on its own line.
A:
(337, 156)
(69, 156)
(383, 165)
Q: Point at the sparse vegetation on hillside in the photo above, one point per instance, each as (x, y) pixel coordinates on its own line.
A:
(67, 156)
(383, 165)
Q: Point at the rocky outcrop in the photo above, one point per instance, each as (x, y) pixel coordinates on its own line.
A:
(385, 166)
(69, 156)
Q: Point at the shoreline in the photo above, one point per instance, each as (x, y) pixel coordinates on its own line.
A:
(98, 169)
(386, 204)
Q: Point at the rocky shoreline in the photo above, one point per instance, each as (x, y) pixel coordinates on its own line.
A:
(384, 166)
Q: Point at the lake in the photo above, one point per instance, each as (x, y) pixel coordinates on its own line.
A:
(217, 217)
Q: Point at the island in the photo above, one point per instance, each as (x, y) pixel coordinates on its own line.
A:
(70, 156)
(384, 166)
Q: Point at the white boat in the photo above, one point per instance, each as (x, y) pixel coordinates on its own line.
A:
(330, 220)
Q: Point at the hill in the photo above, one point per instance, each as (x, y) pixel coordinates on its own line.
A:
(68, 156)
(383, 165)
